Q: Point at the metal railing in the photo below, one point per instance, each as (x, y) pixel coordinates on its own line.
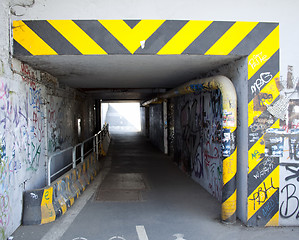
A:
(86, 147)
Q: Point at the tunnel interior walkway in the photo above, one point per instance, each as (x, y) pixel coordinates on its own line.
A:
(169, 203)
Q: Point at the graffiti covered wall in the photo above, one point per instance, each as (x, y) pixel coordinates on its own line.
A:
(282, 148)
(198, 120)
(36, 119)
(156, 126)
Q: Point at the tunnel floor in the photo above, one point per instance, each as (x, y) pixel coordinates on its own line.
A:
(145, 196)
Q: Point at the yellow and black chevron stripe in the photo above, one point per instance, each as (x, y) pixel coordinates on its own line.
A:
(263, 173)
(162, 37)
(229, 191)
(257, 40)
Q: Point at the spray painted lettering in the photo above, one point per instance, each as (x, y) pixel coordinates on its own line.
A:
(262, 194)
(260, 82)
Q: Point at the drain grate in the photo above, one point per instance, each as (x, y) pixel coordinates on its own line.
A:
(121, 187)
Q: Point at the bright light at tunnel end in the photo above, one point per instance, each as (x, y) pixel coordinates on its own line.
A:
(128, 113)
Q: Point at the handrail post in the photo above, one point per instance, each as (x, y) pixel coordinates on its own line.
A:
(49, 171)
(74, 156)
(97, 146)
(82, 152)
(97, 138)
(94, 143)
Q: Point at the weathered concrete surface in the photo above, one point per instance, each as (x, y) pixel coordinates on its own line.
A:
(172, 203)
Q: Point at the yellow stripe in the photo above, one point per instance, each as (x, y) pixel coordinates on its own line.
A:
(72, 200)
(229, 207)
(61, 200)
(77, 37)
(131, 38)
(84, 167)
(263, 192)
(103, 153)
(229, 167)
(270, 88)
(184, 37)
(254, 153)
(82, 184)
(47, 209)
(263, 52)
(231, 38)
(30, 40)
(274, 222)
(63, 206)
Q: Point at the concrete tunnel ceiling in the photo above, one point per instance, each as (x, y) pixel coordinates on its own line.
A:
(94, 74)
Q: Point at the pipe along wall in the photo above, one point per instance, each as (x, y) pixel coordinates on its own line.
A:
(205, 124)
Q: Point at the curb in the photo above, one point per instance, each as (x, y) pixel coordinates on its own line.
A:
(45, 205)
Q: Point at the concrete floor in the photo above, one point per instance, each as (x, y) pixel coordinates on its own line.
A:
(169, 206)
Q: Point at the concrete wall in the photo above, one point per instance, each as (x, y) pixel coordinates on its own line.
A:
(37, 118)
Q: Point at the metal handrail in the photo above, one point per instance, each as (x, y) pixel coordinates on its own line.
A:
(50, 161)
(96, 139)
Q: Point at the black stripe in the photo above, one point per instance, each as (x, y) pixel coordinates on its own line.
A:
(254, 38)
(19, 50)
(161, 37)
(208, 38)
(272, 66)
(228, 189)
(132, 23)
(102, 36)
(266, 212)
(261, 172)
(231, 219)
(52, 37)
(257, 129)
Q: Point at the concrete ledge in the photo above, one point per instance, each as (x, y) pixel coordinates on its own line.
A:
(45, 205)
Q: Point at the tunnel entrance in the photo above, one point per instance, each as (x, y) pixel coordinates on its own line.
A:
(140, 60)
(121, 116)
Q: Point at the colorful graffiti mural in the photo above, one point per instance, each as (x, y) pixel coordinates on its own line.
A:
(274, 137)
(198, 139)
(32, 124)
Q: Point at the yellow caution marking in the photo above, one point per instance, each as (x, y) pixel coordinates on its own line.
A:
(263, 52)
(30, 40)
(77, 37)
(134, 38)
(231, 38)
(229, 207)
(263, 192)
(184, 37)
(266, 96)
(274, 220)
(47, 208)
(254, 153)
(229, 167)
